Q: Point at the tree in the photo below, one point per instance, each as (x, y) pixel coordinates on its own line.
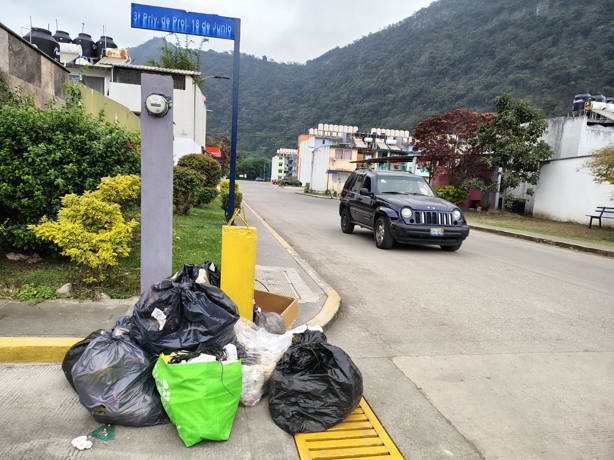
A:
(253, 166)
(448, 145)
(180, 56)
(514, 141)
(602, 165)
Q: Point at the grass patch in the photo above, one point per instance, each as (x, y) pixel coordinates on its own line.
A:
(571, 230)
(196, 237)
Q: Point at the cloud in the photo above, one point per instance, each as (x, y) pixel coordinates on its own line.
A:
(285, 30)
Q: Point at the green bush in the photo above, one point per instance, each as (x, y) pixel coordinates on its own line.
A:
(451, 193)
(238, 199)
(187, 188)
(205, 165)
(46, 153)
(91, 230)
(206, 196)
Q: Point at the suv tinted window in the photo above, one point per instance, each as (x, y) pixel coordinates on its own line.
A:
(367, 183)
(349, 182)
(358, 183)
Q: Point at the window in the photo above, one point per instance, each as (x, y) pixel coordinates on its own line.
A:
(96, 83)
(343, 154)
(367, 183)
(358, 183)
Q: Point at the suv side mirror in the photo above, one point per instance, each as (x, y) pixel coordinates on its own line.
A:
(365, 192)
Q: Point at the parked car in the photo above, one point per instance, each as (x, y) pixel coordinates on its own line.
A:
(579, 100)
(259, 179)
(400, 207)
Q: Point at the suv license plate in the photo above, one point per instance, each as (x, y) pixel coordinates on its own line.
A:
(436, 231)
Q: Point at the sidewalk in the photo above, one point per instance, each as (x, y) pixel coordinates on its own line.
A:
(40, 413)
(578, 245)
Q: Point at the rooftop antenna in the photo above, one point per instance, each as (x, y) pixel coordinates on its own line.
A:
(82, 27)
(56, 24)
(104, 34)
(30, 29)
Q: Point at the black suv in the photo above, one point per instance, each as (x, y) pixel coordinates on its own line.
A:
(400, 207)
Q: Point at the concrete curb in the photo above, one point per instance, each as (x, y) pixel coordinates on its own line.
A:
(544, 240)
(313, 195)
(331, 306)
(35, 349)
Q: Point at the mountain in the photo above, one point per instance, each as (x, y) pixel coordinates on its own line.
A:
(454, 53)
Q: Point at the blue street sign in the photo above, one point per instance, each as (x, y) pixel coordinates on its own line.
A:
(181, 21)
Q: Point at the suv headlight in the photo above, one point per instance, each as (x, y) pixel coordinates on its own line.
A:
(456, 214)
(406, 213)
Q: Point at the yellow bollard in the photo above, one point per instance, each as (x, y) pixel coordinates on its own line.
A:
(239, 267)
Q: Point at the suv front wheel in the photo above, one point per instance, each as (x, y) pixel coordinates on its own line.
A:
(382, 233)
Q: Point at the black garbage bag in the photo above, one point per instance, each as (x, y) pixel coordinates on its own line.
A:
(74, 353)
(213, 273)
(180, 314)
(114, 382)
(314, 386)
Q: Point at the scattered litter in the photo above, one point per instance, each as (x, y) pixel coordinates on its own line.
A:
(314, 386)
(104, 433)
(81, 443)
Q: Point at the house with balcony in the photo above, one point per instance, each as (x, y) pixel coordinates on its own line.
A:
(329, 154)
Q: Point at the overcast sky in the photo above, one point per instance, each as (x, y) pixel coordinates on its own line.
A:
(285, 30)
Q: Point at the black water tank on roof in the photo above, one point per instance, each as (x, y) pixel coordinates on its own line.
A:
(102, 43)
(87, 44)
(62, 37)
(44, 41)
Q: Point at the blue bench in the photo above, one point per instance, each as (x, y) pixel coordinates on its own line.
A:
(599, 214)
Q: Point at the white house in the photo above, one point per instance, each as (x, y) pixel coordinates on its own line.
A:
(122, 83)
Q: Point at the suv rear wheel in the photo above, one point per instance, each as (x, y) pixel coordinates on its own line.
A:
(382, 233)
(346, 222)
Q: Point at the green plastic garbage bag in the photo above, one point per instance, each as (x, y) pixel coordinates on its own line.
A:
(201, 399)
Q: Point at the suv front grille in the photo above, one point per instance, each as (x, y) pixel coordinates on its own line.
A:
(434, 218)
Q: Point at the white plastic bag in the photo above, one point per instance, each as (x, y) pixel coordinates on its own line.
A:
(263, 350)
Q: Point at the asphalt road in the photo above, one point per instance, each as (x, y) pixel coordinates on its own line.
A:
(502, 350)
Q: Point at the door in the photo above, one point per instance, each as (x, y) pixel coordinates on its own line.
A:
(354, 198)
(364, 204)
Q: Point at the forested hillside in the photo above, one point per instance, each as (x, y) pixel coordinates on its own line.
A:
(454, 53)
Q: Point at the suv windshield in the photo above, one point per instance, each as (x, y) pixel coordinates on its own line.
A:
(403, 185)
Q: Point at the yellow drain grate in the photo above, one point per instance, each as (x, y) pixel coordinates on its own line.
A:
(359, 437)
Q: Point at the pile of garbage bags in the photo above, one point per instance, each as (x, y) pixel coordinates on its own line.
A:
(185, 356)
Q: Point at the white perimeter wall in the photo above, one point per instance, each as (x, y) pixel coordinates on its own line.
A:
(304, 160)
(566, 191)
(318, 180)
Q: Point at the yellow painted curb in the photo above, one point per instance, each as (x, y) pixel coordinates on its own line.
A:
(333, 301)
(35, 349)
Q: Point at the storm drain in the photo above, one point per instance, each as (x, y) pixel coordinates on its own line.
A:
(359, 437)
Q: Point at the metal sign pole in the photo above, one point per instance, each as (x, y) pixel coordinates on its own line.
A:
(235, 119)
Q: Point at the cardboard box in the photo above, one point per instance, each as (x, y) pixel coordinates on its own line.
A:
(287, 307)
